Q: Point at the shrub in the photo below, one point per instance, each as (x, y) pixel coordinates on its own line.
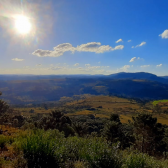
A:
(98, 154)
(93, 151)
(39, 149)
(3, 141)
(139, 160)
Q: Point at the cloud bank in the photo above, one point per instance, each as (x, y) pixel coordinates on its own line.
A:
(59, 50)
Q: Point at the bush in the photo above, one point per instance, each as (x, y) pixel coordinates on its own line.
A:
(139, 160)
(93, 151)
(39, 149)
(3, 141)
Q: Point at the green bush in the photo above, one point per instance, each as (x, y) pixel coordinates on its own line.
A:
(139, 160)
(39, 149)
(96, 152)
(45, 148)
(3, 141)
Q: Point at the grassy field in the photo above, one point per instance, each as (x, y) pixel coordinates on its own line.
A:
(103, 106)
(159, 101)
(124, 107)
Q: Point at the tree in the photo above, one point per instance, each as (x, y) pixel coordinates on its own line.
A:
(144, 131)
(3, 106)
(81, 129)
(56, 120)
(115, 117)
(111, 131)
(126, 137)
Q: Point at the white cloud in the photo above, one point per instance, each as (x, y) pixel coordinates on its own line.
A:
(105, 66)
(99, 62)
(59, 50)
(134, 59)
(145, 66)
(80, 68)
(143, 43)
(119, 47)
(164, 34)
(17, 59)
(159, 65)
(93, 67)
(139, 45)
(87, 65)
(125, 68)
(120, 40)
(129, 40)
(77, 64)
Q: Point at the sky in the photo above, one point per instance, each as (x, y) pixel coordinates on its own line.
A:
(83, 36)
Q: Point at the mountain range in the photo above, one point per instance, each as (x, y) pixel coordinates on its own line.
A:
(24, 89)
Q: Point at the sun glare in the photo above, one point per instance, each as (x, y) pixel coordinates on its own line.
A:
(22, 24)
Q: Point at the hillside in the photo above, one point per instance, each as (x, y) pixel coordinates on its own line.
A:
(45, 90)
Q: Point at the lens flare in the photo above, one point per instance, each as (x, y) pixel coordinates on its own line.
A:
(22, 24)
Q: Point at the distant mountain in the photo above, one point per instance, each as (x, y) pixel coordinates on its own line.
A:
(166, 77)
(38, 77)
(25, 89)
(139, 76)
(121, 75)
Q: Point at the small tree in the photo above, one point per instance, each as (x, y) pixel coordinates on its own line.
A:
(144, 131)
(3, 106)
(115, 117)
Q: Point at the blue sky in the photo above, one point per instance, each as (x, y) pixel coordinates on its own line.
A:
(84, 37)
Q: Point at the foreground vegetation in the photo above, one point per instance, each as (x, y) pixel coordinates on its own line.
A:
(82, 141)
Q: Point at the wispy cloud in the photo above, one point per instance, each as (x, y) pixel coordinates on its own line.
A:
(129, 41)
(145, 66)
(59, 50)
(77, 64)
(139, 45)
(125, 68)
(17, 59)
(159, 65)
(87, 65)
(134, 59)
(120, 40)
(39, 65)
(164, 34)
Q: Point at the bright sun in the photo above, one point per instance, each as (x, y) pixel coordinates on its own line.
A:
(22, 24)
